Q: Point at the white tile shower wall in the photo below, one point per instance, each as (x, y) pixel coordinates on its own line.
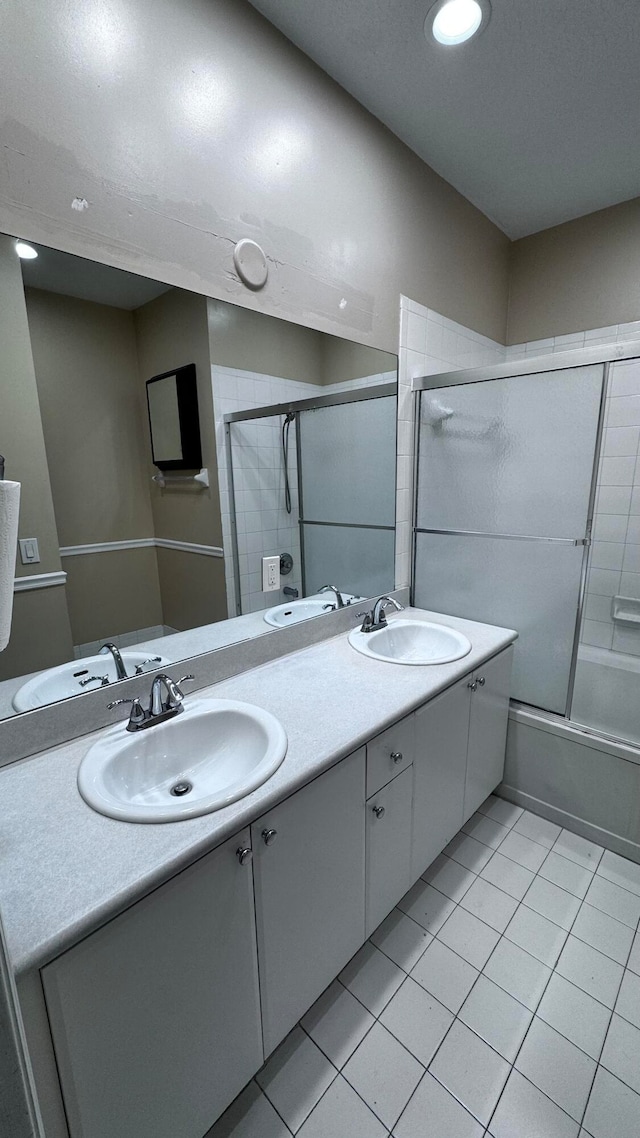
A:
(615, 553)
(614, 334)
(429, 344)
(264, 527)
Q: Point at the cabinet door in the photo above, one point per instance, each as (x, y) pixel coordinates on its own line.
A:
(488, 730)
(309, 883)
(441, 735)
(155, 1018)
(388, 847)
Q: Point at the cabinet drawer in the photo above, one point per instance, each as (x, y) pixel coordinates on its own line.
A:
(389, 753)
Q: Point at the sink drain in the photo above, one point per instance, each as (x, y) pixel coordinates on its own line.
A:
(181, 788)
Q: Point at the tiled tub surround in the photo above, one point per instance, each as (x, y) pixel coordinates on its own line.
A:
(264, 526)
(500, 998)
(566, 774)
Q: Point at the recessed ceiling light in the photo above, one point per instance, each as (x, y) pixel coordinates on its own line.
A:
(27, 252)
(452, 22)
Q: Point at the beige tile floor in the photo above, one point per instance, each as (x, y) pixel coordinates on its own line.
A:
(500, 998)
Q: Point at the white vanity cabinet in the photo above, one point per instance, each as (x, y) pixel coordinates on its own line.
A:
(163, 1015)
(308, 865)
(489, 689)
(155, 1017)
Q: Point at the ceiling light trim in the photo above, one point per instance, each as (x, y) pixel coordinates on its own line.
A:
(438, 42)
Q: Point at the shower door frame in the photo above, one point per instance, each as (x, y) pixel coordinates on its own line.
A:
(294, 407)
(553, 361)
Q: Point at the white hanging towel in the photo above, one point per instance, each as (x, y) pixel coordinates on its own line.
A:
(9, 511)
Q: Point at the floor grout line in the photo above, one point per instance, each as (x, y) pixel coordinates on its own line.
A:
(513, 1065)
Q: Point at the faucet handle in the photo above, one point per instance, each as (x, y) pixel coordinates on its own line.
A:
(181, 681)
(137, 714)
(152, 660)
(174, 689)
(104, 681)
(367, 623)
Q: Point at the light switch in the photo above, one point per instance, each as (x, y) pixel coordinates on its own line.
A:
(29, 552)
(270, 574)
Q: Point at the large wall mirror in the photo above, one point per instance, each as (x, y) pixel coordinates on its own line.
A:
(141, 565)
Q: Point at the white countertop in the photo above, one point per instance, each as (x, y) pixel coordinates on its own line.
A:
(65, 870)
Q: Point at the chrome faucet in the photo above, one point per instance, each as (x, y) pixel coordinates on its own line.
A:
(121, 671)
(173, 702)
(159, 709)
(376, 619)
(338, 595)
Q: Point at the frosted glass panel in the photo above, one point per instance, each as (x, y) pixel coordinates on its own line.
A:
(531, 586)
(348, 456)
(359, 561)
(510, 455)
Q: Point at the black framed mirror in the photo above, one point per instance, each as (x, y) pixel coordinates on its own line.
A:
(174, 422)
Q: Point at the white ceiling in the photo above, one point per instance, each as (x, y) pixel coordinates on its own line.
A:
(60, 272)
(536, 121)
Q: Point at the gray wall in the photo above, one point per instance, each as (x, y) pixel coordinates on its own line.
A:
(22, 443)
(583, 274)
(187, 126)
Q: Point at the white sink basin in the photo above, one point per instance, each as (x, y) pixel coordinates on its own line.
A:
(411, 642)
(65, 680)
(221, 748)
(283, 615)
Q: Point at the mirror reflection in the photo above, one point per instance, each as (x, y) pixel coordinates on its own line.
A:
(284, 510)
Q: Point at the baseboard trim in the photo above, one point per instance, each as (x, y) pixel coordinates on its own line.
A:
(572, 822)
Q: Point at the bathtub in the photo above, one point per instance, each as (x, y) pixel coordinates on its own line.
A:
(606, 695)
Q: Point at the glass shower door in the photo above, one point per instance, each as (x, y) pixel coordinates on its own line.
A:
(347, 464)
(505, 473)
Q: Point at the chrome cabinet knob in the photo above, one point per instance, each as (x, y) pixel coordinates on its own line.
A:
(269, 837)
(472, 686)
(481, 681)
(378, 811)
(244, 855)
(396, 756)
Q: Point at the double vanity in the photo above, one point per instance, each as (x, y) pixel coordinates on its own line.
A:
(158, 965)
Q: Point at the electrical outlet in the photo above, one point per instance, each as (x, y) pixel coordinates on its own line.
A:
(29, 552)
(270, 574)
